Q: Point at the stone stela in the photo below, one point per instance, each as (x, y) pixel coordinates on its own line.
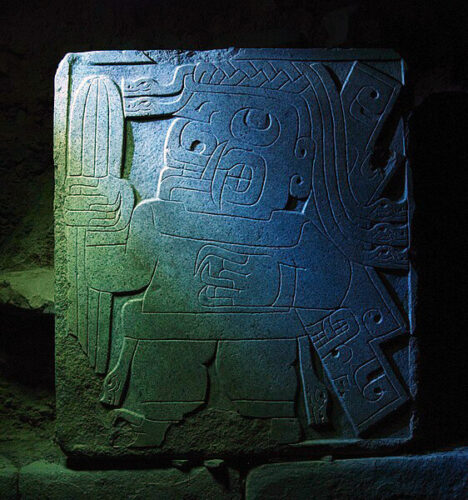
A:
(232, 238)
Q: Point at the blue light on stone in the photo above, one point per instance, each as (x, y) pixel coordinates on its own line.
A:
(232, 257)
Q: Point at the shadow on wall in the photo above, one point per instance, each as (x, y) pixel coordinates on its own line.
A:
(439, 153)
(27, 347)
(27, 405)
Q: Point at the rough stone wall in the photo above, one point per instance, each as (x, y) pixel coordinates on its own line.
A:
(34, 36)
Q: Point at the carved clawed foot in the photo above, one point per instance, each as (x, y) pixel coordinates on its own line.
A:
(131, 429)
(114, 383)
(112, 388)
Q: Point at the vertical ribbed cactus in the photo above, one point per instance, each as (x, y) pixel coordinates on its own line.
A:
(95, 151)
(96, 130)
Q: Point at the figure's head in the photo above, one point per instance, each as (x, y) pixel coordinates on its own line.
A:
(239, 152)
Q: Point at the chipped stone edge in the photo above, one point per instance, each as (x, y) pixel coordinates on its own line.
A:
(116, 57)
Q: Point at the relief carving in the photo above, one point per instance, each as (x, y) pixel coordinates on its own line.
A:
(257, 261)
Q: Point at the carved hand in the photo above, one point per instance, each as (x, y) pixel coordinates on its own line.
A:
(235, 278)
(101, 204)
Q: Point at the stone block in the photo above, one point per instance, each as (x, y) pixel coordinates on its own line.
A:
(43, 480)
(441, 475)
(28, 289)
(232, 252)
(8, 480)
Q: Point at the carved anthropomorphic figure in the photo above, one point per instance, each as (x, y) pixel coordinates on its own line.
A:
(225, 265)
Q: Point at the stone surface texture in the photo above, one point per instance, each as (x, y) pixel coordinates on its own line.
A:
(34, 38)
(437, 475)
(43, 480)
(8, 479)
(232, 251)
(441, 476)
(28, 289)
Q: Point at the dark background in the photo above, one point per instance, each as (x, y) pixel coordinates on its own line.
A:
(431, 37)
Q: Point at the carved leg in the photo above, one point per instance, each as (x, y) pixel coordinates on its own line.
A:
(258, 376)
(169, 379)
(114, 383)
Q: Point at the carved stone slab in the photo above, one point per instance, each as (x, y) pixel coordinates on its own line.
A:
(232, 237)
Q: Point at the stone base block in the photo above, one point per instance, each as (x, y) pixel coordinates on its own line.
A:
(42, 480)
(441, 476)
(435, 476)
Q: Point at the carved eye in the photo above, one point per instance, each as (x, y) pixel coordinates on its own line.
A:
(255, 126)
(193, 136)
(197, 146)
(257, 119)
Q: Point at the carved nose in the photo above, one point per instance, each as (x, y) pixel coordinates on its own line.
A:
(239, 178)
